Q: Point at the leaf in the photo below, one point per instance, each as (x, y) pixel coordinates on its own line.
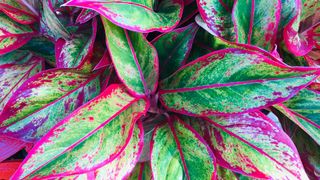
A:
(173, 48)
(217, 15)
(288, 11)
(177, 151)
(141, 18)
(85, 16)
(8, 168)
(189, 12)
(254, 145)
(45, 99)
(224, 174)
(87, 139)
(232, 81)
(13, 35)
(142, 171)
(8, 147)
(134, 58)
(304, 110)
(256, 22)
(299, 39)
(23, 65)
(18, 11)
(76, 52)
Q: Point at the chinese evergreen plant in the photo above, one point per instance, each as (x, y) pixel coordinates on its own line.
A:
(159, 89)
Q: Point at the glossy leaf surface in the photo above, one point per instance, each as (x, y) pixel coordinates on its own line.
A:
(106, 128)
(134, 58)
(137, 15)
(177, 151)
(231, 81)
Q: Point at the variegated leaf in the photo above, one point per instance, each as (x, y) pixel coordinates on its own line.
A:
(134, 58)
(232, 81)
(254, 145)
(23, 65)
(17, 11)
(225, 174)
(173, 48)
(85, 16)
(179, 152)
(12, 34)
(142, 171)
(256, 22)
(137, 15)
(10, 146)
(45, 99)
(89, 138)
(218, 17)
(289, 10)
(76, 52)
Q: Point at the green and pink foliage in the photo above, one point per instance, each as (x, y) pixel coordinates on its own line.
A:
(159, 89)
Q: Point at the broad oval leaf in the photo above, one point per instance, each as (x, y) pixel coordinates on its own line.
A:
(17, 11)
(23, 65)
(173, 48)
(232, 81)
(45, 99)
(136, 15)
(76, 52)
(12, 34)
(179, 152)
(218, 17)
(256, 22)
(87, 139)
(134, 58)
(254, 145)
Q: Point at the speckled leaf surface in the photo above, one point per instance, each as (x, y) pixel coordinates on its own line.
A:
(254, 145)
(298, 39)
(142, 171)
(232, 81)
(177, 152)
(17, 11)
(87, 139)
(45, 99)
(23, 65)
(256, 22)
(225, 174)
(85, 16)
(289, 10)
(173, 48)
(76, 52)
(218, 17)
(12, 34)
(137, 15)
(134, 58)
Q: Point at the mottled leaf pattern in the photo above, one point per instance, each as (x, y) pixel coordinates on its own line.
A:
(17, 11)
(231, 81)
(106, 128)
(256, 22)
(45, 99)
(142, 171)
(255, 146)
(137, 15)
(85, 15)
(134, 58)
(177, 152)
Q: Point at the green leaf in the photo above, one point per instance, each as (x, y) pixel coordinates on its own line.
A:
(137, 15)
(134, 58)
(173, 48)
(178, 152)
(142, 171)
(18, 11)
(225, 174)
(232, 81)
(45, 99)
(253, 145)
(89, 138)
(256, 22)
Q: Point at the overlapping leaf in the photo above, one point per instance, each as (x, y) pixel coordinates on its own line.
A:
(142, 171)
(12, 34)
(173, 48)
(134, 58)
(43, 100)
(106, 128)
(232, 81)
(9, 146)
(218, 17)
(85, 15)
(137, 15)
(15, 68)
(255, 146)
(256, 22)
(178, 152)
(18, 11)
(8, 168)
